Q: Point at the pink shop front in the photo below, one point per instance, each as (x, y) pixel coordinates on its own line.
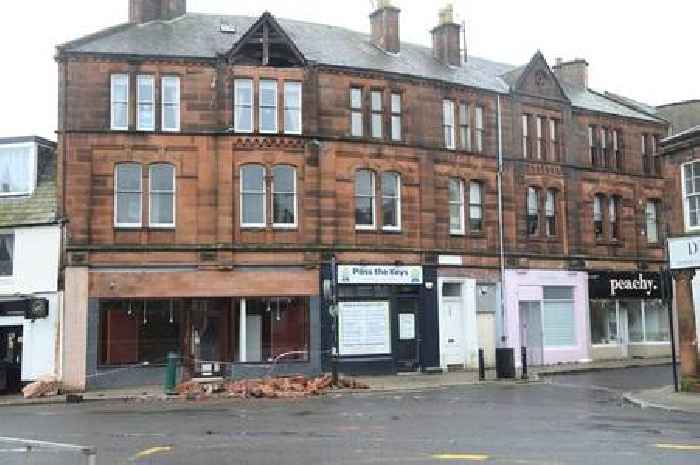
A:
(547, 312)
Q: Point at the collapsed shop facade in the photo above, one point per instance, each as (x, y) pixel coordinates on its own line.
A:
(209, 190)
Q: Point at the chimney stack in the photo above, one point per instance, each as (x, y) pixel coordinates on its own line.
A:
(143, 11)
(384, 25)
(574, 73)
(446, 38)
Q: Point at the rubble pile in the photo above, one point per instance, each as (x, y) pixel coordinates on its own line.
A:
(45, 386)
(268, 388)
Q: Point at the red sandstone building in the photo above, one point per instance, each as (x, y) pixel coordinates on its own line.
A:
(214, 167)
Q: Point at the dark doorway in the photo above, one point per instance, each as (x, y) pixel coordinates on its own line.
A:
(10, 359)
(406, 324)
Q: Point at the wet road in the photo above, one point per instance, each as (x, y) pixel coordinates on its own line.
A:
(622, 380)
(538, 424)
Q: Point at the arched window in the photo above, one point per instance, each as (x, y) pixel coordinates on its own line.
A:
(127, 196)
(364, 200)
(253, 196)
(391, 201)
(284, 196)
(162, 196)
(456, 201)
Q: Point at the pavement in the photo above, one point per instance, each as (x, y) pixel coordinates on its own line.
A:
(562, 421)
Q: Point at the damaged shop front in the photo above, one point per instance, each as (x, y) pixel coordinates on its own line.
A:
(233, 324)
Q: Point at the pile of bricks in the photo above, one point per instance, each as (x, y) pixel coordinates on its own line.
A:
(269, 388)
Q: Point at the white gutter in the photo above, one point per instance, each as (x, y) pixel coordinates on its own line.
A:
(504, 335)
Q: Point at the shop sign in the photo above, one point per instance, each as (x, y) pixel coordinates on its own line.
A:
(624, 285)
(379, 274)
(364, 328)
(684, 252)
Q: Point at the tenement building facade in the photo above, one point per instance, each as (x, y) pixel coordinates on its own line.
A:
(258, 194)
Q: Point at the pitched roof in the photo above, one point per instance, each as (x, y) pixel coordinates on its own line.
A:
(687, 134)
(42, 206)
(197, 35)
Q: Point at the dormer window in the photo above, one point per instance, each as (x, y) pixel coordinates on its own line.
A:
(17, 169)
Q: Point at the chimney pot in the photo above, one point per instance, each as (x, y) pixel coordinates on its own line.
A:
(447, 38)
(385, 27)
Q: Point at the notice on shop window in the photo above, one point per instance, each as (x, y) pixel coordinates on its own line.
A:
(364, 328)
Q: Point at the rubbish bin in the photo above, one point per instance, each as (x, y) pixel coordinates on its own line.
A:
(505, 363)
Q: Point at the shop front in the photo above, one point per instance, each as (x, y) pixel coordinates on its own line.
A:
(546, 312)
(386, 319)
(628, 317)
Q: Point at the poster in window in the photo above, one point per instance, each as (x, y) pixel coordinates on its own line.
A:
(364, 328)
(407, 326)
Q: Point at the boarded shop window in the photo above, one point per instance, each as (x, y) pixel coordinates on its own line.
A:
(253, 196)
(7, 253)
(170, 88)
(364, 200)
(284, 196)
(146, 103)
(558, 316)
(268, 107)
(127, 199)
(292, 108)
(162, 195)
(391, 201)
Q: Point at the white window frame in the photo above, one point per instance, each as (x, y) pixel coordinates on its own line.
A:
(448, 124)
(462, 223)
(164, 80)
(550, 211)
(686, 197)
(541, 150)
(113, 82)
(526, 135)
(34, 151)
(152, 103)
(377, 114)
(373, 197)
(151, 191)
(357, 111)
(396, 117)
(553, 140)
(480, 185)
(295, 203)
(237, 83)
(479, 129)
(273, 85)
(264, 196)
(287, 85)
(651, 217)
(465, 135)
(117, 224)
(396, 198)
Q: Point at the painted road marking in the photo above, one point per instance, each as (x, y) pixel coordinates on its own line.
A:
(467, 457)
(679, 446)
(152, 451)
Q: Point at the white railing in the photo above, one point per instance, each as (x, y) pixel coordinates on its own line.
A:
(28, 447)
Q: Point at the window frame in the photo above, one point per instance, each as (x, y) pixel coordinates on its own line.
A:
(357, 111)
(372, 197)
(10, 233)
(33, 168)
(397, 200)
(462, 220)
(243, 192)
(300, 109)
(550, 227)
(397, 116)
(599, 203)
(541, 145)
(465, 135)
(554, 144)
(151, 192)
(261, 106)
(655, 204)
(177, 104)
(614, 210)
(479, 128)
(528, 211)
(525, 128)
(236, 83)
(139, 103)
(273, 191)
(604, 154)
(448, 124)
(617, 148)
(376, 114)
(112, 80)
(686, 196)
(593, 146)
(480, 205)
(117, 224)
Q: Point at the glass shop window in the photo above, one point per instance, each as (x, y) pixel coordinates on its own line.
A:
(604, 322)
(647, 320)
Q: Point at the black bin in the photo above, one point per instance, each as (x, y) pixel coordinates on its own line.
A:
(505, 363)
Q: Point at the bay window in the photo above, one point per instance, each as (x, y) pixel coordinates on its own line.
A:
(476, 206)
(284, 196)
(127, 199)
(171, 103)
(448, 123)
(119, 95)
(253, 196)
(146, 103)
(364, 200)
(162, 196)
(18, 169)
(243, 105)
(691, 195)
(456, 205)
(391, 201)
(292, 108)
(268, 107)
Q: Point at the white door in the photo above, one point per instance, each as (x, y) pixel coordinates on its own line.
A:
(254, 338)
(453, 330)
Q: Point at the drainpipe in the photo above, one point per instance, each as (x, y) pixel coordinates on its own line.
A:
(502, 261)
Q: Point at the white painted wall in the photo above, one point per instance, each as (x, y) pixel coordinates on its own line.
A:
(35, 272)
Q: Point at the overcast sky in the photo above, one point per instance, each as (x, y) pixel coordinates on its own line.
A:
(639, 48)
